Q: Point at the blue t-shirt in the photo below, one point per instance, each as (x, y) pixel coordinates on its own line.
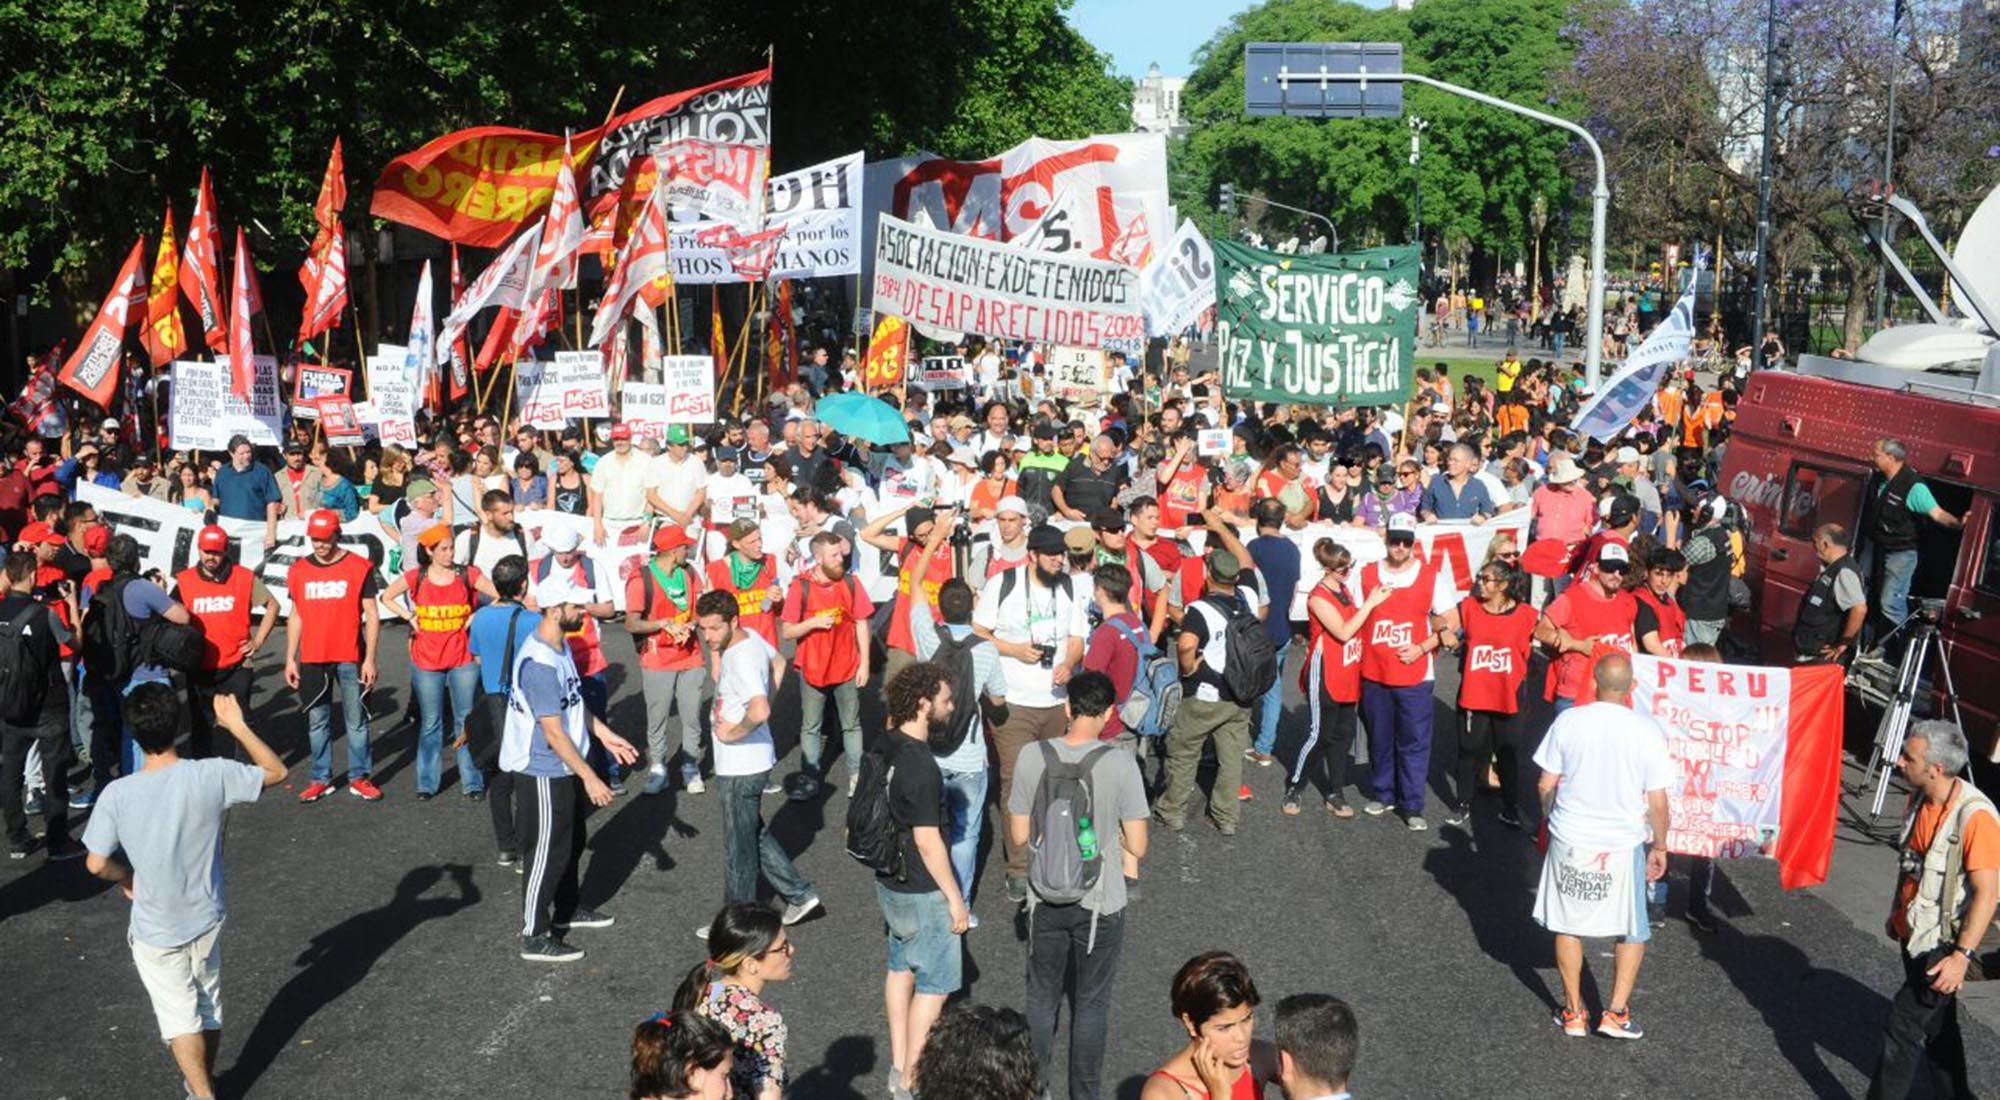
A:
(1446, 504)
(245, 494)
(488, 640)
(1277, 559)
(339, 495)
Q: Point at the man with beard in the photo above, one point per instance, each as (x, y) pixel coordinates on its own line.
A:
(220, 595)
(826, 613)
(546, 738)
(750, 575)
(1006, 548)
(495, 537)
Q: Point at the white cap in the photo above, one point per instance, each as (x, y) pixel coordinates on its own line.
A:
(109, 422)
(1403, 523)
(1011, 504)
(1563, 470)
(962, 454)
(560, 588)
(561, 540)
(1613, 551)
(1626, 454)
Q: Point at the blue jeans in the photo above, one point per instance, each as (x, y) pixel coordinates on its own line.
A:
(1560, 340)
(965, 807)
(319, 727)
(747, 847)
(812, 716)
(1897, 568)
(1270, 709)
(1399, 742)
(463, 685)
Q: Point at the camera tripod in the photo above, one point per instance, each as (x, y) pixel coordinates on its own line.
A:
(1924, 642)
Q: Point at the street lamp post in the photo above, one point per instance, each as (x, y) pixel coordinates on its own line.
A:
(1538, 216)
(1417, 127)
(1764, 185)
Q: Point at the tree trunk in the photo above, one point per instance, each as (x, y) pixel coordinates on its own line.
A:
(1859, 292)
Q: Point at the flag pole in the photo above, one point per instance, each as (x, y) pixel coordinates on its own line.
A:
(616, 99)
(741, 364)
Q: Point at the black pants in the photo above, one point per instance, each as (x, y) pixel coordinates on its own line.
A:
(551, 814)
(1329, 739)
(500, 803)
(203, 686)
(52, 734)
(1058, 936)
(1922, 1022)
(1482, 736)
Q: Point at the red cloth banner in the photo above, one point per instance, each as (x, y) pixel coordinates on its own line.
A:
(201, 269)
(164, 338)
(92, 369)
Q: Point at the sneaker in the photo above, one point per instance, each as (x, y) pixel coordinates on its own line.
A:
(1261, 759)
(82, 800)
(852, 779)
(1416, 823)
(548, 949)
(1619, 1025)
(510, 859)
(701, 932)
(1290, 807)
(25, 850)
(476, 796)
(617, 785)
(66, 853)
(1243, 793)
(1510, 817)
(1017, 889)
(801, 787)
(798, 911)
(1375, 808)
(422, 796)
(1701, 922)
(36, 804)
(772, 786)
(1173, 826)
(656, 781)
(695, 786)
(972, 919)
(1226, 830)
(366, 791)
(1338, 807)
(587, 918)
(1576, 1025)
(316, 790)
(896, 1089)
(1458, 817)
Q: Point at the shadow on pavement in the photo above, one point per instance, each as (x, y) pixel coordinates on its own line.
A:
(848, 1059)
(624, 835)
(337, 960)
(1809, 1009)
(47, 882)
(1493, 882)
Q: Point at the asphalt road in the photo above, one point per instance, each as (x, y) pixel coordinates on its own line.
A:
(370, 951)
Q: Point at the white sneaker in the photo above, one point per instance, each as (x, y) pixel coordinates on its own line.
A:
(794, 913)
(852, 779)
(695, 786)
(701, 932)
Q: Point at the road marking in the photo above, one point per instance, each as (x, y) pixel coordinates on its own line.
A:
(543, 992)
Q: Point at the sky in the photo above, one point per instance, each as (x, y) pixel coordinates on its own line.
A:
(1137, 33)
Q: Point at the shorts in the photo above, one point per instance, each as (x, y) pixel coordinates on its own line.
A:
(184, 983)
(921, 939)
(1595, 894)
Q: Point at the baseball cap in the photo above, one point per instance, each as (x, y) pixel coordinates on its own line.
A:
(1624, 509)
(294, 447)
(421, 487)
(434, 534)
(1109, 519)
(1402, 527)
(727, 454)
(110, 422)
(1045, 539)
(1224, 566)
(212, 540)
(561, 540)
(677, 433)
(1015, 505)
(1625, 454)
(1077, 540)
(1385, 474)
(1043, 430)
(962, 455)
(40, 534)
(96, 541)
(670, 538)
(1613, 554)
(961, 420)
(560, 588)
(323, 524)
(621, 431)
(143, 459)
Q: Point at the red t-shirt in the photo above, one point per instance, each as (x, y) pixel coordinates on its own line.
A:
(1494, 656)
(1585, 614)
(658, 650)
(327, 600)
(1108, 651)
(1181, 495)
(942, 569)
(828, 657)
(1338, 663)
(756, 599)
(438, 638)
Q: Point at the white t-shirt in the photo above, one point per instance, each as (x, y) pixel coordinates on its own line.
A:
(732, 498)
(745, 674)
(677, 482)
(1609, 757)
(1038, 615)
(621, 482)
(1215, 643)
(493, 547)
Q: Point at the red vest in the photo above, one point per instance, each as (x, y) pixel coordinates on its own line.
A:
(1402, 619)
(1339, 662)
(1494, 656)
(942, 569)
(1673, 621)
(1606, 622)
(750, 602)
(328, 599)
(658, 650)
(222, 611)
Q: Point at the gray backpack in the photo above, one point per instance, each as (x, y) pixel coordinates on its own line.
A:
(1065, 852)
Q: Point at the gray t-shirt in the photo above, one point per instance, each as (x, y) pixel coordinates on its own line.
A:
(1117, 792)
(169, 822)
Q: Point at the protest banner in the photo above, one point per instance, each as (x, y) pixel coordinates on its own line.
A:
(689, 381)
(817, 212)
(1212, 442)
(1180, 284)
(1758, 751)
(392, 391)
(311, 381)
(1076, 375)
(714, 180)
(538, 395)
(643, 407)
(949, 285)
(205, 413)
(888, 354)
(1324, 330)
(941, 372)
(579, 379)
(339, 421)
(1629, 391)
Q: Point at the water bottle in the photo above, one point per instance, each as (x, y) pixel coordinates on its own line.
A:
(1086, 839)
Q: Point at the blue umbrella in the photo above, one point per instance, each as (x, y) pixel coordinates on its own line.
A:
(863, 417)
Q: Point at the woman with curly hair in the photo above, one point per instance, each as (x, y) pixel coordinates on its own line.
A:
(978, 1052)
(1216, 1003)
(680, 1056)
(747, 948)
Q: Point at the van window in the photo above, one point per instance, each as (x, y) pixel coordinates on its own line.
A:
(1989, 569)
(1816, 495)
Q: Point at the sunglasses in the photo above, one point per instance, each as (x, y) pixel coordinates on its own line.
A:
(1509, 555)
(1611, 567)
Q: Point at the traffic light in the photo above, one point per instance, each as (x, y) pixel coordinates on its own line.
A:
(1228, 200)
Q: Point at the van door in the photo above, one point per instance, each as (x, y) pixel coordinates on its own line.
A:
(1971, 623)
(1815, 493)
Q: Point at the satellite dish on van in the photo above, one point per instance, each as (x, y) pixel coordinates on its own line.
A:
(1978, 245)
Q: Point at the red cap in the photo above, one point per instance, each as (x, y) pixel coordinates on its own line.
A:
(621, 431)
(212, 540)
(323, 524)
(670, 538)
(40, 534)
(96, 541)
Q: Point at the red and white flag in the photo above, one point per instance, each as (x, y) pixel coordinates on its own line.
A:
(201, 269)
(1759, 756)
(92, 369)
(503, 283)
(244, 303)
(324, 274)
(554, 268)
(461, 356)
(641, 273)
(714, 179)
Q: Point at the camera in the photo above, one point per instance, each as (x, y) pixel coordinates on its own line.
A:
(1929, 610)
(1046, 655)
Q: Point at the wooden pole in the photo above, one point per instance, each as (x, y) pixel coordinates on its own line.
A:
(740, 361)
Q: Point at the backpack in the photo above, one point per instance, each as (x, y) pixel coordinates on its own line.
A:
(1011, 577)
(484, 725)
(24, 666)
(177, 646)
(472, 543)
(1249, 659)
(1155, 698)
(110, 645)
(873, 837)
(954, 655)
(1060, 871)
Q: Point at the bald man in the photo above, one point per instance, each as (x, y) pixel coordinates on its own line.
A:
(1605, 774)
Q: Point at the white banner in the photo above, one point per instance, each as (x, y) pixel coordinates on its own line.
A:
(1627, 393)
(819, 209)
(1178, 286)
(941, 372)
(947, 285)
(1076, 375)
(205, 414)
(690, 384)
(643, 406)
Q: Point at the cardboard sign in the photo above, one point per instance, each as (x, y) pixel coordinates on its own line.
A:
(339, 421)
(312, 381)
(538, 394)
(206, 414)
(643, 407)
(689, 381)
(580, 378)
(1212, 442)
(942, 372)
(1076, 375)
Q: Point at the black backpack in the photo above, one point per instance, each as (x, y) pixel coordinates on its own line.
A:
(25, 661)
(1249, 659)
(110, 647)
(873, 837)
(954, 655)
(488, 720)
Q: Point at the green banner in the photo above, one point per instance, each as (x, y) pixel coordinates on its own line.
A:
(1323, 330)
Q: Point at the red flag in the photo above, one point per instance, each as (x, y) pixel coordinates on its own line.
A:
(324, 274)
(201, 269)
(498, 338)
(92, 369)
(164, 338)
(716, 346)
(780, 357)
(332, 191)
(642, 271)
(243, 304)
(791, 330)
(888, 352)
(461, 356)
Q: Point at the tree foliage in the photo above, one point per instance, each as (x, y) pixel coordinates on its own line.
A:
(108, 108)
